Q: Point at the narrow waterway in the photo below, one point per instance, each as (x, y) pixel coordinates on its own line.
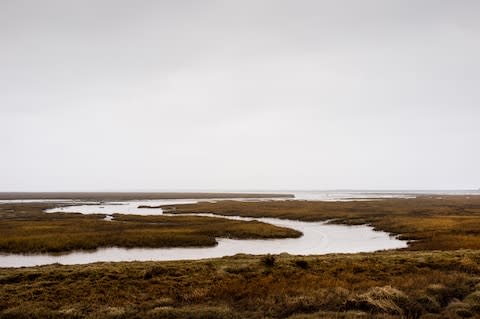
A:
(318, 238)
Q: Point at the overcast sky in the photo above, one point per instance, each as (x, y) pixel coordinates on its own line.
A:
(172, 95)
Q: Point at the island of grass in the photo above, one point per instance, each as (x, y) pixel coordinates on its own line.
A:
(25, 228)
(429, 222)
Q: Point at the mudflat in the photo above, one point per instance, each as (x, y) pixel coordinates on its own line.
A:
(119, 196)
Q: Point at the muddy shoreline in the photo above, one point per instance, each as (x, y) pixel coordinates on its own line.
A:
(114, 196)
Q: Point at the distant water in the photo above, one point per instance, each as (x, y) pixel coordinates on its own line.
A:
(314, 195)
(347, 195)
(132, 207)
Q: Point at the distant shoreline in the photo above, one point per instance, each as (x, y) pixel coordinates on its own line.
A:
(108, 196)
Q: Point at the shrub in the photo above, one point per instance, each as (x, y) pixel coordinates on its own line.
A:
(268, 260)
(300, 263)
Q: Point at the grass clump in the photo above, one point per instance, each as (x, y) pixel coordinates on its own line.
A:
(301, 263)
(386, 300)
(268, 260)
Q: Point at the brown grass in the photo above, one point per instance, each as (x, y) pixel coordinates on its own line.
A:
(380, 285)
(25, 228)
(452, 222)
(396, 284)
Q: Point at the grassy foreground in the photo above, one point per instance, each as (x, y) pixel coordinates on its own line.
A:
(24, 228)
(380, 285)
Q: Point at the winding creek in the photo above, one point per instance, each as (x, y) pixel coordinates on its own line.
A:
(318, 238)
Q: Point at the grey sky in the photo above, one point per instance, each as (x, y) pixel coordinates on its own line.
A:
(155, 95)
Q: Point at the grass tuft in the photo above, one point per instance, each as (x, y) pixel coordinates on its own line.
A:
(268, 260)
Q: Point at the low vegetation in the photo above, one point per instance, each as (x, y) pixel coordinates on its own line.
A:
(26, 229)
(379, 285)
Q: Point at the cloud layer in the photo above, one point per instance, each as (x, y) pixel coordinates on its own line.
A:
(153, 95)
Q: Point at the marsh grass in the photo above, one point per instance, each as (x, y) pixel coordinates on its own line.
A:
(26, 229)
(431, 223)
(396, 284)
(381, 285)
